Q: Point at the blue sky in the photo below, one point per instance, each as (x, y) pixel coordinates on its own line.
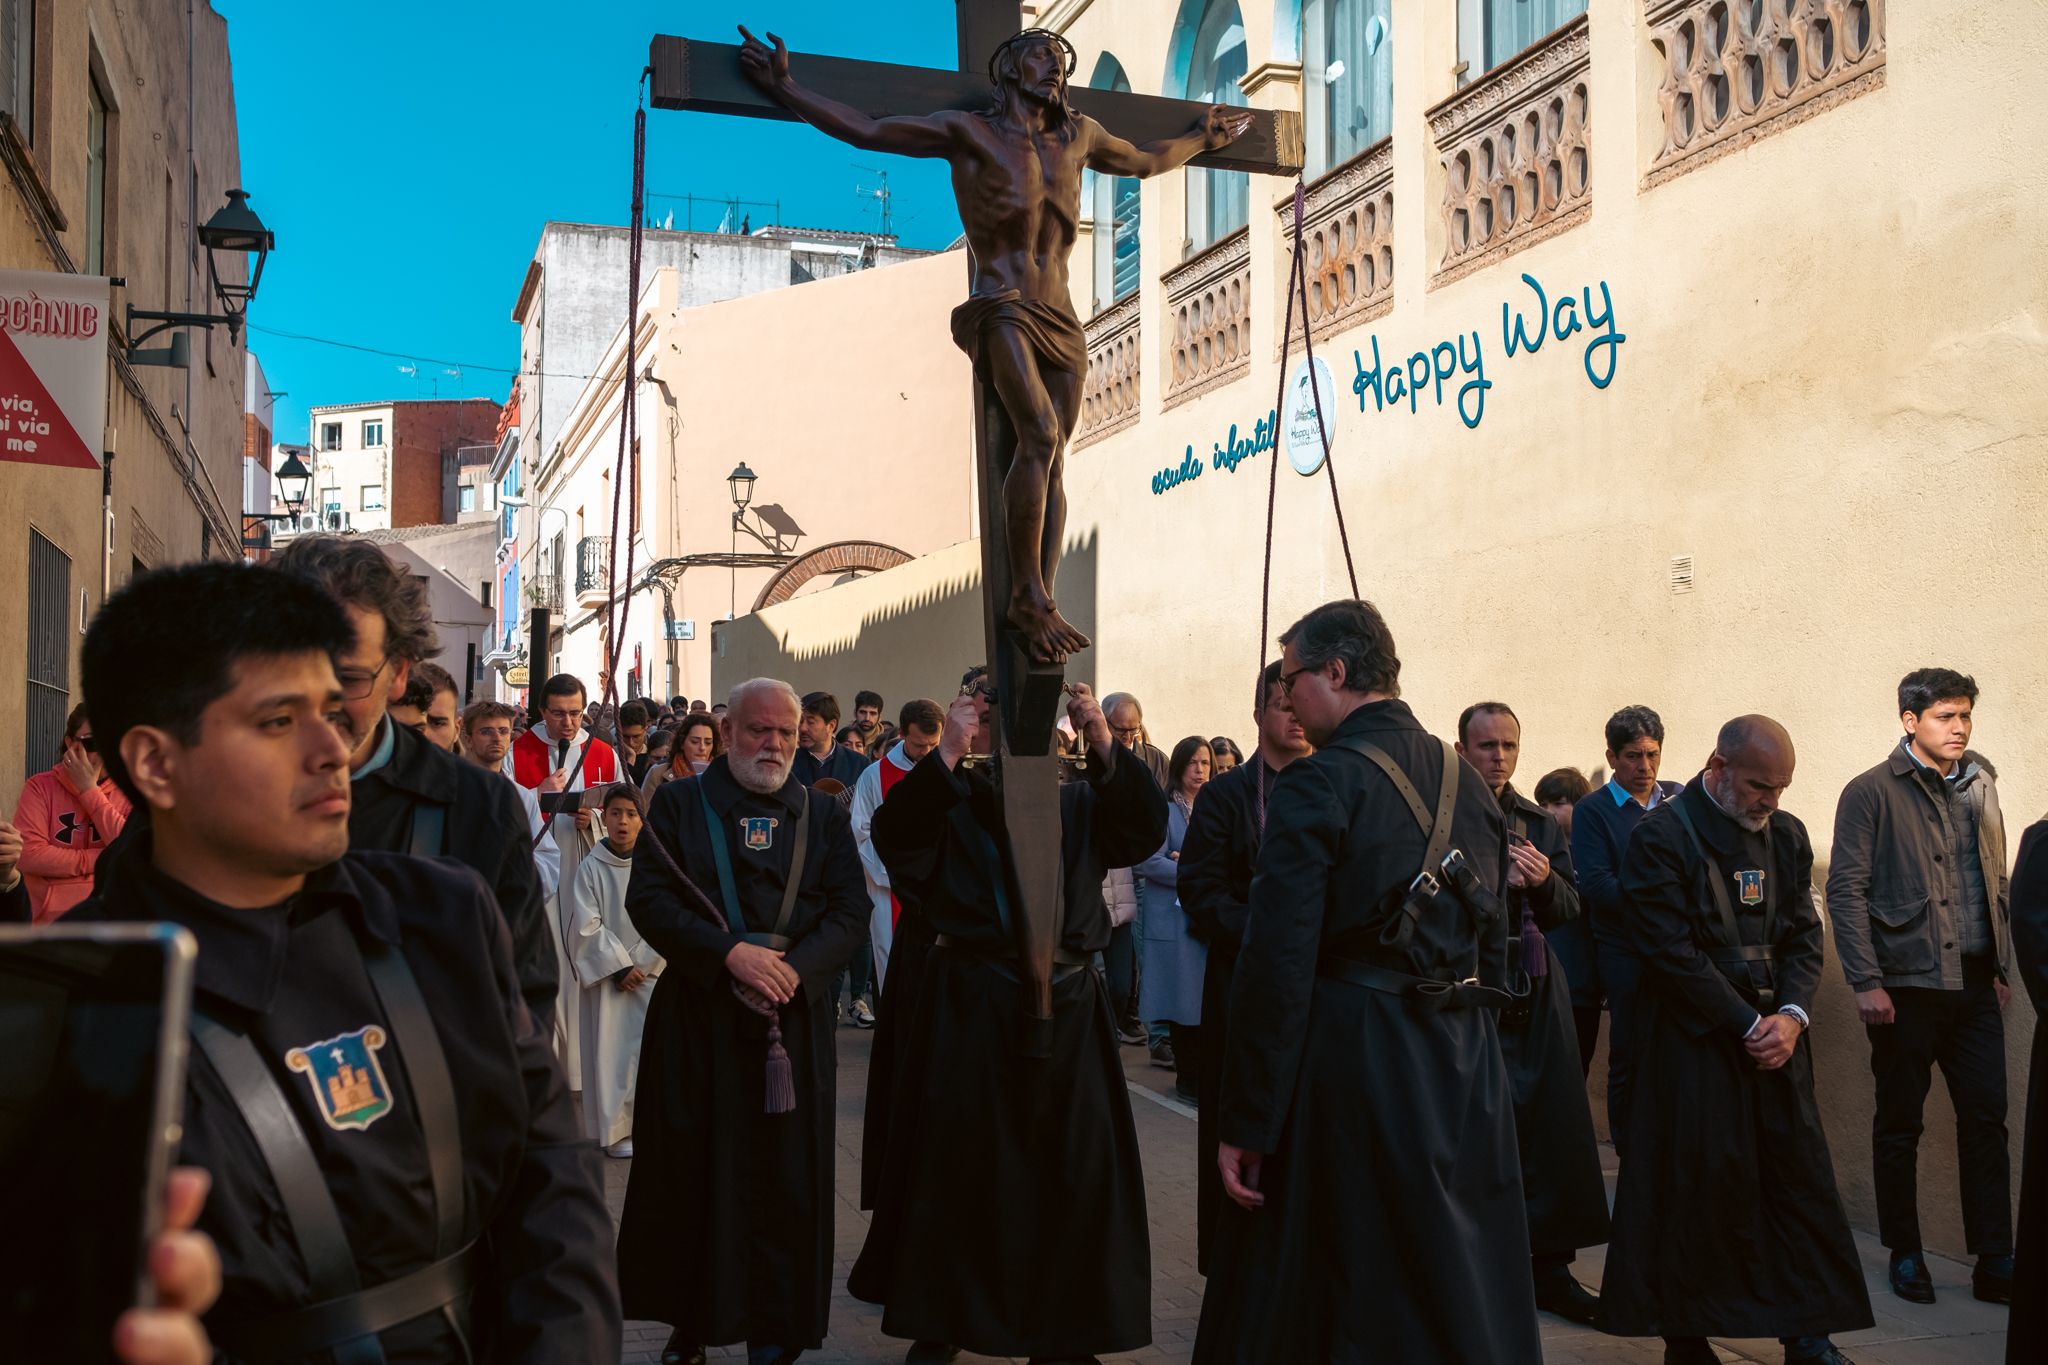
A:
(406, 156)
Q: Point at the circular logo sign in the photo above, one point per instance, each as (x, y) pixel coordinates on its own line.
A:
(1305, 443)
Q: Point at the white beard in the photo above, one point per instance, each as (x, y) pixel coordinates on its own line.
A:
(1724, 796)
(761, 776)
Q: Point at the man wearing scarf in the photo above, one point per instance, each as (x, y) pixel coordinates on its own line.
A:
(751, 888)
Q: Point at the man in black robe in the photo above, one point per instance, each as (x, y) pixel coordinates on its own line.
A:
(1010, 1218)
(1367, 1125)
(1727, 1222)
(1216, 863)
(2026, 1339)
(1561, 1182)
(727, 1230)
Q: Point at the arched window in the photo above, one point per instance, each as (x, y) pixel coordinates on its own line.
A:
(1113, 202)
(1219, 202)
(1491, 31)
(1347, 59)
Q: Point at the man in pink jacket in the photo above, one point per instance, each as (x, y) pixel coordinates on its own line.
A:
(67, 816)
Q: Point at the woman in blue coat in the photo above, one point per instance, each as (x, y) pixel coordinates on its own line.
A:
(1170, 991)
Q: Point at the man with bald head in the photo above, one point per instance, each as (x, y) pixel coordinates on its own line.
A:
(1727, 1222)
(727, 1229)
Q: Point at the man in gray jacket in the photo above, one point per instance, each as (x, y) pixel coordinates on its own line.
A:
(1917, 892)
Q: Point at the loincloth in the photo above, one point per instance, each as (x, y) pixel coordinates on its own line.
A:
(1054, 333)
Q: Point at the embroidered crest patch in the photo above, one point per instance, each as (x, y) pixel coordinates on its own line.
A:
(1750, 882)
(347, 1078)
(760, 832)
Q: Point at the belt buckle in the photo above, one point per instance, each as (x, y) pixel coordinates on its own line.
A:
(1426, 883)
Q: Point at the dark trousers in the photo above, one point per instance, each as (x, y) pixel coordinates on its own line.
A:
(857, 978)
(1962, 1032)
(1586, 1019)
(1621, 972)
(1120, 971)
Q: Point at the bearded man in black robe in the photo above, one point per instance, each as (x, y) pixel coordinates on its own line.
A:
(1009, 1218)
(1561, 1182)
(1367, 1127)
(751, 886)
(1727, 1222)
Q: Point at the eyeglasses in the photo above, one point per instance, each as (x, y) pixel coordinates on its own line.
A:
(1287, 679)
(356, 684)
(1128, 734)
(86, 742)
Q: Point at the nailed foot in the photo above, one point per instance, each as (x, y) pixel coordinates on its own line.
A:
(1047, 635)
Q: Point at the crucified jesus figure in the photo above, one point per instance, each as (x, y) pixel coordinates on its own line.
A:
(1017, 178)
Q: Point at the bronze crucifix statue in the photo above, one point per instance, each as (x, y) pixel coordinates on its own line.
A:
(1017, 179)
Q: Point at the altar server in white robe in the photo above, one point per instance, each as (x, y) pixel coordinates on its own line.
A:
(616, 971)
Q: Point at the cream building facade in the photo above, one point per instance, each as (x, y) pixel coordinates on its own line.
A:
(849, 408)
(1685, 353)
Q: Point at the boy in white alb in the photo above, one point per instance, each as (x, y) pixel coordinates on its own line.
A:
(616, 970)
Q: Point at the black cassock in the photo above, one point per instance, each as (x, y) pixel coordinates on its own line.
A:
(727, 1231)
(1727, 1222)
(1562, 1187)
(1009, 1207)
(1393, 1228)
(1215, 882)
(2026, 1341)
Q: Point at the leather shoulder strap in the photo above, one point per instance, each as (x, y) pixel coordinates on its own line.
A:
(429, 824)
(1435, 826)
(721, 860)
(433, 1090)
(1715, 877)
(794, 885)
(309, 1207)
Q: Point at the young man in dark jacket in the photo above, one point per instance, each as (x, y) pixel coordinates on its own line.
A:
(1917, 895)
(397, 1166)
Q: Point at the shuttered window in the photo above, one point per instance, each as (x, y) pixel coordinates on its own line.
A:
(49, 650)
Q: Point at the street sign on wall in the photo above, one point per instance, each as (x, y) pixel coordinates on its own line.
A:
(53, 368)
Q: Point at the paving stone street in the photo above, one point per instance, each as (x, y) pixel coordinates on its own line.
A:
(1958, 1330)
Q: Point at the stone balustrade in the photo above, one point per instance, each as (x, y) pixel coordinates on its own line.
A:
(1208, 305)
(1513, 147)
(1737, 70)
(1109, 394)
(1350, 247)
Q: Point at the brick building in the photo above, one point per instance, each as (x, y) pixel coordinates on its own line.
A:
(392, 464)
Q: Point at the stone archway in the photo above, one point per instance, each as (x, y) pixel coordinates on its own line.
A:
(863, 556)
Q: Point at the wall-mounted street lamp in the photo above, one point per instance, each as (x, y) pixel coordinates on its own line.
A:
(233, 230)
(294, 481)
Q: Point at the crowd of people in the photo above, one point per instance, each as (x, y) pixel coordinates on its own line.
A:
(1378, 970)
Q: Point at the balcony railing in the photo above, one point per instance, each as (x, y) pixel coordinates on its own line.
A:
(1515, 155)
(1350, 247)
(1109, 395)
(593, 569)
(1736, 72)
(1209, 309)
(544, 590)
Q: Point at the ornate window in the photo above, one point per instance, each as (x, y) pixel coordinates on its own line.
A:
(1347, 78)
(1492, 31)
(1209, 40)
(1113, 203)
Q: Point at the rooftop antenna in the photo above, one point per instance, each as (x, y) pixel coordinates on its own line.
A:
(882, 195)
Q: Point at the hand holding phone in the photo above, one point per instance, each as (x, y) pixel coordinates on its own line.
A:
(184, 1268)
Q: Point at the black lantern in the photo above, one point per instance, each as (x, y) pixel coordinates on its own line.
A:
(293, 479)
(235, 230)
(741, 482)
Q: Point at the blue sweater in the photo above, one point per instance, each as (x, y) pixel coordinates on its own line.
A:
(1600, 834)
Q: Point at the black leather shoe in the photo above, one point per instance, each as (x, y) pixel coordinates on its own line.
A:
(1831, 1356)
(680, 1352)
(1693, 1351)
(931, 1353)
(1910, 1280)
(1566, 1297)
(1991, 1281)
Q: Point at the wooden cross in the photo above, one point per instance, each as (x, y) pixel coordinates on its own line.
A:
(707, 77)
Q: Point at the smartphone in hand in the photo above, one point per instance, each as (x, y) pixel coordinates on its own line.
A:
(92, 1086)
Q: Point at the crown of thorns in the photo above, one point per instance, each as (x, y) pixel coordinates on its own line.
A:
(1029, 35)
